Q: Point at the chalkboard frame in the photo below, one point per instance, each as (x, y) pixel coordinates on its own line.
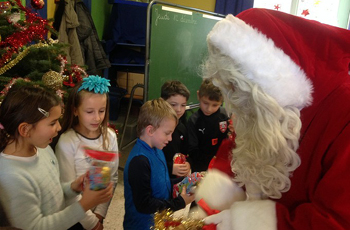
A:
(148, 43)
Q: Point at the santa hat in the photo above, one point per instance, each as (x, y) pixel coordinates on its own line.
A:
(262, 62)
(287, 58)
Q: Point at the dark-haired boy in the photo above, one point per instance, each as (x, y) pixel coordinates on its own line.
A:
(177, 94)
(207, 127)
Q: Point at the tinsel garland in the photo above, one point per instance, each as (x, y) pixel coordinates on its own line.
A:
(5, 90)
(37, 29)
(19, 57)
(165, 220)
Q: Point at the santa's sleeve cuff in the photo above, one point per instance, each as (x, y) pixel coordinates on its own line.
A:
(257, 214)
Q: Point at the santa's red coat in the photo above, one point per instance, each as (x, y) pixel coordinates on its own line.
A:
(319, 196)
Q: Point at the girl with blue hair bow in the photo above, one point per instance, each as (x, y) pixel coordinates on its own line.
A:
(84, 124)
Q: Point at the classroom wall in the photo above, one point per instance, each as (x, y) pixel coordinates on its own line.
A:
(100, 12)
(208, 5)
(51, 7)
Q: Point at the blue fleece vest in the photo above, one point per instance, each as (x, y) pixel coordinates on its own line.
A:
(160, 184)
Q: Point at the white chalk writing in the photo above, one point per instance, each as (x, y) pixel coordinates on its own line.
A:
(161, 17)
(187, 19)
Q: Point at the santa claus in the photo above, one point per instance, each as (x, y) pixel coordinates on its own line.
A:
(287, 81)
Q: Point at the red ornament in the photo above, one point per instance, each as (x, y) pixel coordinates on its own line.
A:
(305, 12)
(277, 7)
(37, 4)
(179, 158)
(70, 82)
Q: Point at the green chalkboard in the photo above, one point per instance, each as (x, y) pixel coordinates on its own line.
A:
(177, 47)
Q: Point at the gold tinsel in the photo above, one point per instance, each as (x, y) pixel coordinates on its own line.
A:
(53, 80)
(166, 220)
(19, 57)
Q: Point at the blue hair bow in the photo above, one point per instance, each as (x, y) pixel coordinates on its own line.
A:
(95, 84)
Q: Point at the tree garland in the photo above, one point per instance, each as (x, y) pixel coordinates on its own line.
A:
(37, 28)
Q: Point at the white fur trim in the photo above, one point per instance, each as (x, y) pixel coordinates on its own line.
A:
(257, 215)
(262, 62)
(218, 190)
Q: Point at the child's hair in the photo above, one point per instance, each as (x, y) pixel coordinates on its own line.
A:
(208, 89)
(23, 104)
(75, 99)
(153, 112)
(173, 88)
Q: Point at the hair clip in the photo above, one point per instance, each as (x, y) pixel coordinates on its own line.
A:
(95, 84)
(46, 114)
(1, 126)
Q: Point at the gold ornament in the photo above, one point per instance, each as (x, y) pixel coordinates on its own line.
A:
(53, 80)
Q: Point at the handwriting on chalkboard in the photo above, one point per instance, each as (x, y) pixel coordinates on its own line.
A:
(185, 19)
(159, 16)
(167, 16)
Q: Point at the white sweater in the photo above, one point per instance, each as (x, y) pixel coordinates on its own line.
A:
(73, 163)
(32, 195)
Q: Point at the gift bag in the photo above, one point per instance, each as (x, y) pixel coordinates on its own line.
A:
(189, 182)
(103, 164)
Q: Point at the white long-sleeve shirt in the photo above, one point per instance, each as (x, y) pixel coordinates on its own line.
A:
(73, 163)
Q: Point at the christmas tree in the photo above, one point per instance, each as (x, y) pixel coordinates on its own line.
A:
(27, 54)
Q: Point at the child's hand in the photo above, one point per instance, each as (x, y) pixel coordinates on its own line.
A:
(77, 185)
(92, 198)
(181, 169)
(188, 198)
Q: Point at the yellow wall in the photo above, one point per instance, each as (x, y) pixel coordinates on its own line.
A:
(208, 5)
(51, 7)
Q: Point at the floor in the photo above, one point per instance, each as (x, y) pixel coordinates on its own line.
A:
(115, 214)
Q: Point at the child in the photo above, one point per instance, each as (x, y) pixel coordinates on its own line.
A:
(147, 186)
(207, 127)
(30, 189)
(85, 124)
(176, 94)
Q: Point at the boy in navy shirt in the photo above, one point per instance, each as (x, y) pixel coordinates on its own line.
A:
(207, 127)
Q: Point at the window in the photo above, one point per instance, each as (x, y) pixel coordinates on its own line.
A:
(281, 5)
(332, 12)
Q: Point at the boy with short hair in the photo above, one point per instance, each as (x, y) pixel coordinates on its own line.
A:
(207, 127)
(177, 94)
(147, 186)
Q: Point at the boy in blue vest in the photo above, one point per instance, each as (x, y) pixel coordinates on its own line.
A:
(147, 186)
(207, 127)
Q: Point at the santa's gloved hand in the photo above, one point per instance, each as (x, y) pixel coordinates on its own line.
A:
(222, 220)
